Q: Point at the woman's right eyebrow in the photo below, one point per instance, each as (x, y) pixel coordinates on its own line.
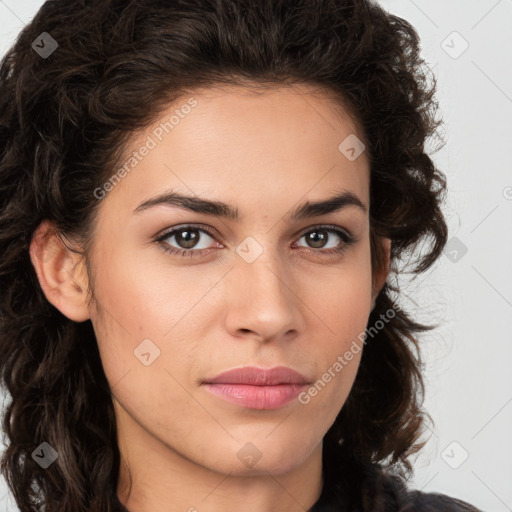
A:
(219, 209)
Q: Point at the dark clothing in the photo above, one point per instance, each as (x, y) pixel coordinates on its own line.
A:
(414, 501)
(432, 502)
(368, 488)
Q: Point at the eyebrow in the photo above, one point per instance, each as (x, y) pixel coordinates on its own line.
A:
(223, 210)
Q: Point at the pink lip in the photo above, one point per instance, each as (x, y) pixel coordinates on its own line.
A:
(257, 388)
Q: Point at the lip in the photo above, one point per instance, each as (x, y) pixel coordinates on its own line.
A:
(259, 376)
(257, 388)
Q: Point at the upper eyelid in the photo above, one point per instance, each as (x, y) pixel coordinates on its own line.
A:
(171, 231)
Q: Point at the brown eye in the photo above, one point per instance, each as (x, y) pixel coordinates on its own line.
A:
(320, 237)
(317, 238)
(187, 238)
(187, 241)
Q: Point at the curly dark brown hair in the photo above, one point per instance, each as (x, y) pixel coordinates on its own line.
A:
(64, 121)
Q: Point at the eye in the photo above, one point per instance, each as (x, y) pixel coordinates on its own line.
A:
(320, 237)
(189, 241)
(187, 238)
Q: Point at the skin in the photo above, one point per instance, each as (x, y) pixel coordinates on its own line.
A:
(265, 154)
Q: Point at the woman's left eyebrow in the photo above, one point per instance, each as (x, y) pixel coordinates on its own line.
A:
(219, 209)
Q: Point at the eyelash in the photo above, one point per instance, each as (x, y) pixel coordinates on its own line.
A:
(347, 240)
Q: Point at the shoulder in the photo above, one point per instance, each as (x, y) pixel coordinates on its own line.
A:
(418, 501)
(412, 500)
(371, 488)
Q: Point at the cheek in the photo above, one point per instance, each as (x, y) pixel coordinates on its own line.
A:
(340, 296)
(146, 295)
(342, 304)
(157, 314)
(321, 403)
(148, 345)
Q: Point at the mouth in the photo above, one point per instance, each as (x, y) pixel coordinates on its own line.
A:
(257, 388)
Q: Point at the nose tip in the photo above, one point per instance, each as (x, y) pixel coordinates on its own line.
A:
(261, 301)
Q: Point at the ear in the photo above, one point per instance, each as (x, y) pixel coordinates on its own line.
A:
(60, 271)
(381, 273)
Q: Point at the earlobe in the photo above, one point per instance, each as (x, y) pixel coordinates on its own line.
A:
(60, 272)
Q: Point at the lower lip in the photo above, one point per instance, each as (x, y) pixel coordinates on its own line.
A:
(256, 397)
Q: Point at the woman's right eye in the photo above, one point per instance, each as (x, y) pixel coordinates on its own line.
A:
(187, 238)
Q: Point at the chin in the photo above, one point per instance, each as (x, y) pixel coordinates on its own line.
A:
(262, 456)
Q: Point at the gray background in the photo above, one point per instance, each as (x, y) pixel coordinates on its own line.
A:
(468, 45)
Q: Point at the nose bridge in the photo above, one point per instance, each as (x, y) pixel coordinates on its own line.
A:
(264, 297)
(263, 270)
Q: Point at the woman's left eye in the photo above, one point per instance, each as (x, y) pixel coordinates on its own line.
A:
(320, 236)
(187, 238)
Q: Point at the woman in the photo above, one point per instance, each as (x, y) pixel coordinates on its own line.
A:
(201, 206)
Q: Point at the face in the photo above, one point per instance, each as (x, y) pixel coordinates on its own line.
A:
(184, 294)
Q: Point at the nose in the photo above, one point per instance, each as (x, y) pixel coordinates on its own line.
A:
(263, 299)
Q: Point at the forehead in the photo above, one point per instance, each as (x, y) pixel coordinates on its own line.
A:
(244, 145)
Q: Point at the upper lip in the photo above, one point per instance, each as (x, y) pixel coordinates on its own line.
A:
(259, 376)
